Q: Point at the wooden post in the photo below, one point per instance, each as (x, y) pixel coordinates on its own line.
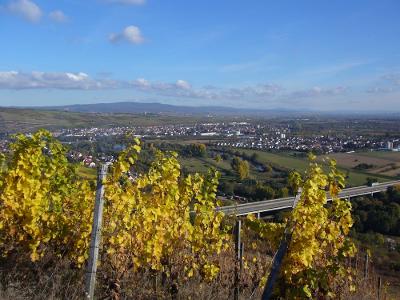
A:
(277, 262)
(366, 262)
(239, 253)
(379, 287)
(96, 234)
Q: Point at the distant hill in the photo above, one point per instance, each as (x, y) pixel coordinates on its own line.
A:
(158, 108)
(22, 119)
(16, 119)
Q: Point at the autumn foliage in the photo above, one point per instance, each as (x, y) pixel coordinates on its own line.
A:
(161, 222)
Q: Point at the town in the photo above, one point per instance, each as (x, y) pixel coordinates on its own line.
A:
(254, 134)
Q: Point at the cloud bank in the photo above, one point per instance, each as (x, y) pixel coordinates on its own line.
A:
(252, 94)
(41, 80)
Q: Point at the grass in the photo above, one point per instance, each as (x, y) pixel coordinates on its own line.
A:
(202, 165)
(383, 163)
(392, 155)
(383, 257)
(284, 160)
(86, 173)
(194, 165)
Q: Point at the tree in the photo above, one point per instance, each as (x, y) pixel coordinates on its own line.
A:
(202, 150)
(264, 192)
(227, 188)
(283, 192)
(371, 181)
(241, 167)
(393, 193)
(268, 168)
(218, 158)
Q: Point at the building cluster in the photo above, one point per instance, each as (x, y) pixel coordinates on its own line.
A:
(393, 145)
(3, 145)
(246, 135)
(256, 135)
(88, 160)
(201, 129)
(321, 143)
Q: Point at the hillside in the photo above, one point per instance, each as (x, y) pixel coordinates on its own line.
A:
(159, 108)
(22, 120)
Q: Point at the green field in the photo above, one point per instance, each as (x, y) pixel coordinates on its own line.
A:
(380, 162)
(388, 155)
(86, 173)
(202, 165)
(284, 160)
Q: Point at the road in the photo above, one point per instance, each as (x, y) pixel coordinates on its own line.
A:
(284, 203)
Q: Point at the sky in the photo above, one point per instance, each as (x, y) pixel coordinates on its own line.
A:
(315, 55)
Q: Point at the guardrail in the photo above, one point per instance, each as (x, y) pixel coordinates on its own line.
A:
(285, 203)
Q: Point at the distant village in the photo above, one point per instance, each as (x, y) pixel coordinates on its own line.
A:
(230, 134)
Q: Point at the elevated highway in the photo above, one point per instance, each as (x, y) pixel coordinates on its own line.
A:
(285, 203)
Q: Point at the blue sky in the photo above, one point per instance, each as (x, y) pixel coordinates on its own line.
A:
(323, 55)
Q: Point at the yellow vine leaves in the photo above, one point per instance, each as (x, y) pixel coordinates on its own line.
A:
(315, 261)
(42, 204)
(152, 219)
(152, 216)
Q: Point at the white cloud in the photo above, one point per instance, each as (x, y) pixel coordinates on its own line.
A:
(58, 16)
(131, 34)
(141, 83)
(26, 9)
(183, 85)
(128, 2)
(267, 93)
(182, 88)
(44, 80)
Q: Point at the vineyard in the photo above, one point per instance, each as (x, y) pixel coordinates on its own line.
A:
(161, 236)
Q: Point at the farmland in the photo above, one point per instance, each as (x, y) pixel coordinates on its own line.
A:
(285, 160)
(202, 165)
(280, 160)
(23, 120)
(377, 162)
(85, 172)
